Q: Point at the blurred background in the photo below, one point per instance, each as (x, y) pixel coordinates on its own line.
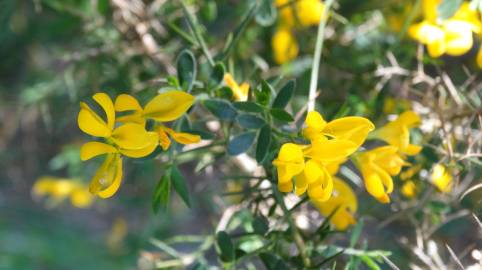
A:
(56, 53)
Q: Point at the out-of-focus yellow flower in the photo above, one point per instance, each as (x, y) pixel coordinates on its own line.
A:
(290, 162)
(409, 189)
(130, 139)
(441, 178)
(390, 105)
(304, 12)
(331, 144)
(397, 133)
(59, 189)
(377, 166)
(285, 47)
(452, 36)
(344, 201)
(240, 92)
(117, 234)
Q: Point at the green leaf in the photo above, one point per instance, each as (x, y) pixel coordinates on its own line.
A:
(217, 76)
(204, 134)
(161, 193)
(241, 143)
(370, 262)
(248, 106)
(263, 93)
(225, 246)
(179, 184)
(281, 115)
(250, 121)
(224, 92)
(266, 14)
(284, 95)
(355, 235)
(272, 261)
(186, 69)
(260, 225)
(264, 142)
(447, 8)
(221, 109)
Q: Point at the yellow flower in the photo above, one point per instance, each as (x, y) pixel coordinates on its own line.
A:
(409, 173)
(240, 92)
(344, 201)
(452, 36)
(352, 129)
(290, 162)
(315, 179)
(130, 139)
(304, 12)
(409, 189)
(59, 189)
(285, 47)
(165, 107)
(377, 166)
(441, 178)
(397, 133)
(331, 144)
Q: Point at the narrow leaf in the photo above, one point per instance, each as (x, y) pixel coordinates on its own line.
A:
(179, 184)
(186, 69)
(284, 95)
(221, 109)
(264, 142)
(281, 115)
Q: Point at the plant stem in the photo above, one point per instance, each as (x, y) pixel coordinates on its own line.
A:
(300, 244)
(197, 34)
(317, 57)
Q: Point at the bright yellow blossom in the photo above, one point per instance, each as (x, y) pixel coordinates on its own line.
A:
(59, 189)
(240, 92)
(344, 201)
(397, 133)
(441, 178)
(304, 12)
(165, 107)
(377, 166)
(409, 189)
(331, 144)
(130, 139)
(452, 36)
(285, 47)
(290, 162)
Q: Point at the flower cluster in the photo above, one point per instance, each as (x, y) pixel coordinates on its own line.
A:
(313, 166)
(127, 135)
(293, 14)
(452, 36)
(60, 189)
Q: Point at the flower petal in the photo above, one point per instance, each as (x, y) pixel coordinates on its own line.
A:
(285, 187)
(182, 137)
(90, 123)
(314, 125)
(108, 177)
(153, 139)
(93, 149)
(108, 106)
(126, 102)
(352, 128)
(168, 106)
(331, 150)
(301, 184)
(130, 136)
(164, 140)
